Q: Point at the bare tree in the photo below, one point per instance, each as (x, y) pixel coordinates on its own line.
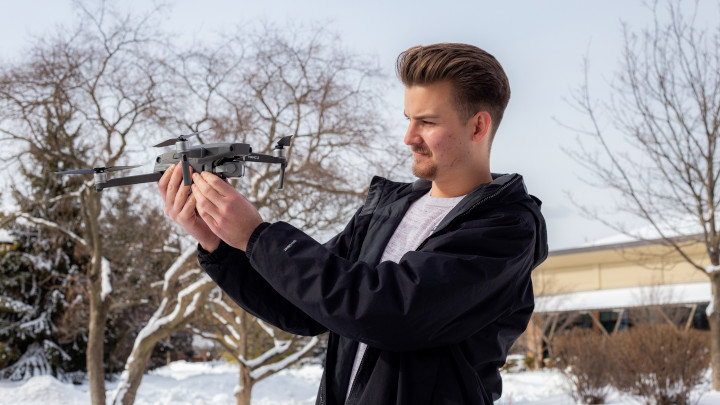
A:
(258, 86)
(184, 291)
(77, 100)
(265, 83)
(666, 104)
(260, 349)
(548, 320)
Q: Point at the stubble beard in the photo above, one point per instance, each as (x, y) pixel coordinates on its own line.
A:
(427, 172)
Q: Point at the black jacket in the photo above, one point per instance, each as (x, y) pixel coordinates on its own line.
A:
(438, 324)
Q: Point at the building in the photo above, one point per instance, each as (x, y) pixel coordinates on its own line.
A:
(613, 286)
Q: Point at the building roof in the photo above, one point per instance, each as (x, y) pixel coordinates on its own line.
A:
(627, 297)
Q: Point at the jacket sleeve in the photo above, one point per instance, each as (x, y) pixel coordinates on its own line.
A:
(231, 270)
(458, 283)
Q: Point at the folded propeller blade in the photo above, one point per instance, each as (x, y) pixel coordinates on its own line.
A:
(172, 141)
(78, 171)
(285, 141)
(97, 170)
(118, 168)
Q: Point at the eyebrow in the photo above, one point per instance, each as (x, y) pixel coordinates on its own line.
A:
(422, 117)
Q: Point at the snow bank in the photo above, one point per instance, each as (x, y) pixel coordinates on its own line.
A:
(184, 383)
(42, 390)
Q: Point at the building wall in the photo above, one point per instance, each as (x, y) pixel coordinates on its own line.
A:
(616, 266)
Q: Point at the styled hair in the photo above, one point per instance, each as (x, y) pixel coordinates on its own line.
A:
(479, 82)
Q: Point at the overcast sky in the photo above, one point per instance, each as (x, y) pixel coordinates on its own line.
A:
(541, 45)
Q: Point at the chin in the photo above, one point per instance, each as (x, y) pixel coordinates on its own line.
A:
(427, 173)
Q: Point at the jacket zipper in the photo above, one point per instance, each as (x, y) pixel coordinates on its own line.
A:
(357, 374)
(462, 214)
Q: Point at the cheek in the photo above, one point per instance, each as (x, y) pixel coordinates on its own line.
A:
(442, 143)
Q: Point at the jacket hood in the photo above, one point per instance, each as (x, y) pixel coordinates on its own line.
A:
(505, 190)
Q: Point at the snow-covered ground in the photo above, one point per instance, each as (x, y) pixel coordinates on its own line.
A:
(184, 383)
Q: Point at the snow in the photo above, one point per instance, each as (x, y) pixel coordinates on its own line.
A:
(26, 219)
(628, 297)
(6, 236)
(9, 304)
(184, 383)
(106, 287)
(177, 265)
(201, 343)
(712, 268)
(670, 228)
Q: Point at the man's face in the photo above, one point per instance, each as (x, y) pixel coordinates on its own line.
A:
(439, 141)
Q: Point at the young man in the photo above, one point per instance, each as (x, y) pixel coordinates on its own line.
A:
(429, 284)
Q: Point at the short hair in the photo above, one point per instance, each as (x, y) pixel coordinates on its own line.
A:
(478, 80)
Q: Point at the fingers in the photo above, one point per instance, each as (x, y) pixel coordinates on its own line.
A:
(207, 198)
(163, 182)
(206, 209)
(221, 186)
(173, 193)
(204, 182)
(163, 186)
(181, 195)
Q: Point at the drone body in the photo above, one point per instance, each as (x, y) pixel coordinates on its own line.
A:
(224, 159)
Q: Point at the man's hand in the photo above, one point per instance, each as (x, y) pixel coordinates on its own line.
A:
(180, 205)
(225, 211)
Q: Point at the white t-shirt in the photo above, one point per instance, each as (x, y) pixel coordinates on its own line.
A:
(421, 219)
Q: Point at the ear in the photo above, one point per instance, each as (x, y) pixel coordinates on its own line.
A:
(482, 123)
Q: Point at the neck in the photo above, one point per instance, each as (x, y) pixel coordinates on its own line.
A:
(459, 185)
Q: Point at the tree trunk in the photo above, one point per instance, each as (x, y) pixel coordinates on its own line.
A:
(133, 373)
(714, 319)
(94, 353)
(159, 327)
(98, 307)
(245, 386)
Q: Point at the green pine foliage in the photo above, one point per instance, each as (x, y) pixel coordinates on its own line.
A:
(34, 278)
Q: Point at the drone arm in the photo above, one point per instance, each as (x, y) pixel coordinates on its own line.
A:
(259, 157)
(187, 180)
(126, 181)
(282, 175)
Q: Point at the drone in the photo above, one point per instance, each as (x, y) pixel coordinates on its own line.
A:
(223, 159)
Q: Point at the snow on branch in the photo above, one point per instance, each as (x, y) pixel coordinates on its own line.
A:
(106, 285)
(219, 302)
(279, 348)
(34, 362)
(52, 225)
(712, 268)
(270, 331)
(171, 273)
(193, 306)
(8, 304)
(181, 304)
(228, 326)
(277, 366)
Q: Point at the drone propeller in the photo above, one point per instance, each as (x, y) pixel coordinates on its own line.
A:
(97, 170)
(182, 148)
(180, 138)
(284, 141)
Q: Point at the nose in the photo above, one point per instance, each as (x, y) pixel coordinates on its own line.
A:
(411, 135)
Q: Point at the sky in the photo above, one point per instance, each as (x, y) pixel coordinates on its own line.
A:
(541, 45)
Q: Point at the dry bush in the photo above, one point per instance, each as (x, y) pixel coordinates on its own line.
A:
(659, 363)
(581, 356)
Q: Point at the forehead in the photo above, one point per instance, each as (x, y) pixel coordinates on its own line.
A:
(429, 99)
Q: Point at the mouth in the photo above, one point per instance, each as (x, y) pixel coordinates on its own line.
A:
(420, 151)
